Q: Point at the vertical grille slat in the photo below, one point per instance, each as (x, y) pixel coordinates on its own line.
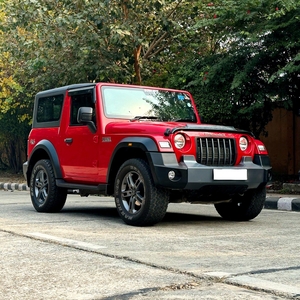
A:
(213, 151)
(207, 151)
(219, 152)
(230, 149)
(216, 151)
(225, 153)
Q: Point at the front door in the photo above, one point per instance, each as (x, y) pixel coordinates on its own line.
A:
(79, 145)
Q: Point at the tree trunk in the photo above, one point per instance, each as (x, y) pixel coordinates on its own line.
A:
(137, 67)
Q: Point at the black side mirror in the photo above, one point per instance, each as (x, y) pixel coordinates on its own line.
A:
(85, 117)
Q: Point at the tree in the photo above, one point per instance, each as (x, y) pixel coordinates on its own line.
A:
(14, 112)
(253, 63)
(93, 40)
(53, 43)
(238, 58)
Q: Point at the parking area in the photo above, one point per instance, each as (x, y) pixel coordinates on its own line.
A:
(87, 252)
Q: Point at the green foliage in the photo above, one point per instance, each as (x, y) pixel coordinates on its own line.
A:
(13, 138)
(252, 66)
(238, 58)
(64, 42)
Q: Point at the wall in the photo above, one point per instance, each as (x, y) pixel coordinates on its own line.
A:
(283, 142)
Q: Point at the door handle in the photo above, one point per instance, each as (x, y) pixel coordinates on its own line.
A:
(68, 140)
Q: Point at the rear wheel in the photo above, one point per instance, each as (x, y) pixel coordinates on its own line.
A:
(45, 195)
(243, 208)
(139, 202)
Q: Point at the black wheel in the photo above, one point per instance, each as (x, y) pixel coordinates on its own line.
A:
(243, 208)
(139, 202)
(45, 195)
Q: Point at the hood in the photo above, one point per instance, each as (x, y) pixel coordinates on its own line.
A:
(165, 128)
(212, 128)
(142, 127)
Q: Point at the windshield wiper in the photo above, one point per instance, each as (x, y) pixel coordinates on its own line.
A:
(143, 117)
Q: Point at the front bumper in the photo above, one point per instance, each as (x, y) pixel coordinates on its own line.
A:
(191, 175)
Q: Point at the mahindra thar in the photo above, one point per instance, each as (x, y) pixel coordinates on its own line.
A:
(146, 147)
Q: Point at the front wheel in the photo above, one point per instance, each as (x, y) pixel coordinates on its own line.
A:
(243, 208)
(139, 202)
(45, 195)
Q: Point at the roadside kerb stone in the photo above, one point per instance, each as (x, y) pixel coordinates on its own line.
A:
(14, 186)
(283, 202)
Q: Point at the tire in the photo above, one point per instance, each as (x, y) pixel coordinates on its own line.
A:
(243, 208)
(139, 202)
(45, 195)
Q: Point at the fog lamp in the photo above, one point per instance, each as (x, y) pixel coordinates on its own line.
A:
(171, 175)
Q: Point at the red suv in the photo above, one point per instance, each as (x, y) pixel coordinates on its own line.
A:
(146, 147)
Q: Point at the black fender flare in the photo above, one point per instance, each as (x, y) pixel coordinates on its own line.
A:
(47, 147)
(146, 144)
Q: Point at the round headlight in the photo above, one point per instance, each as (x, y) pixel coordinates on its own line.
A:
(243, 143)
(179, 141)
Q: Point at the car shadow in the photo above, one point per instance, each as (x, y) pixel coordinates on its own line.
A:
(93, 211)
(170, 217)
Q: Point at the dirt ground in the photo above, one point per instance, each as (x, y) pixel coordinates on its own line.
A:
(11, 177)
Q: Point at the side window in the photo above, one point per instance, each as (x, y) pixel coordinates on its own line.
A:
(49, 108)
(81, 100)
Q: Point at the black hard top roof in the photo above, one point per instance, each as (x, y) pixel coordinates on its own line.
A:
(65, 88)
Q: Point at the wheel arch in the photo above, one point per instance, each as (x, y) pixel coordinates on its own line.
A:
(135, 147)
(44, 150)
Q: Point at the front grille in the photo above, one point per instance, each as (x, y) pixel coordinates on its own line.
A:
(216, 151)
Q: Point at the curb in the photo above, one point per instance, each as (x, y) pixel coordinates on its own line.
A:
(14, 186)
(283, 202)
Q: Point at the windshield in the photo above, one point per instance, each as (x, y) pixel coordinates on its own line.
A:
(141, 103)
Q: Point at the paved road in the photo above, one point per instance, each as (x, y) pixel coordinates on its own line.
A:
(87, 252)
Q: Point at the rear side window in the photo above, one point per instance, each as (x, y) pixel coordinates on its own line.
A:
(49, 108)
